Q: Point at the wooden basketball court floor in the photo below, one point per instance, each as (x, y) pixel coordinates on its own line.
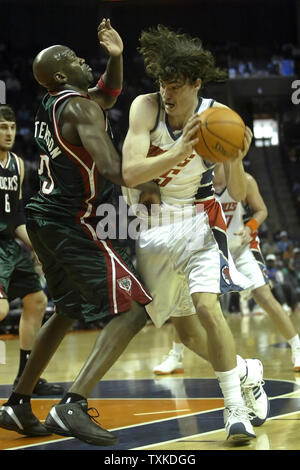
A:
(179, 412)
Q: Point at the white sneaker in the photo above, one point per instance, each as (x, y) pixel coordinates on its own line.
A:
(237, 424)
(254, 396)
(296, 359)
(171, 365)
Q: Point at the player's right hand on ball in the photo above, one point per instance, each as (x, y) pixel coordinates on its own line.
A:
(189, 135)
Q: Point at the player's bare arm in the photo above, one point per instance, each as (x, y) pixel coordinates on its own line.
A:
(22, 174)
(255, 200)
(137, 168)
(82, 123)
(20, 231)
(112, 43)
(256, 203)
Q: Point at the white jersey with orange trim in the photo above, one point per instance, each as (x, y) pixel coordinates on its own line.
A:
(189, 180)
(234, 212)
(248, 259)
(183, 250)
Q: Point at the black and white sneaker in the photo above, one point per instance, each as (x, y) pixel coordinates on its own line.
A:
(20, 418)
(73, 419)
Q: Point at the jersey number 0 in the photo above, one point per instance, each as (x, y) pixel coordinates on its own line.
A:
(44, 170)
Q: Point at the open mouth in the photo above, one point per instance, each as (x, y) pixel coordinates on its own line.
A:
(169, 106)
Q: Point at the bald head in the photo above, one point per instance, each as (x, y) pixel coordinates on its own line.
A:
(58, 66)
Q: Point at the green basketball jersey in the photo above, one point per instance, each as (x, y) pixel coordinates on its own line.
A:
(9, 194)
(70, 184)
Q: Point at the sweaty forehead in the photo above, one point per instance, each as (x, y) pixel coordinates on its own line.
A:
(65, 54)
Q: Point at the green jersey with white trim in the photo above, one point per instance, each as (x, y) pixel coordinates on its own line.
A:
(9, 194)
(70, 184)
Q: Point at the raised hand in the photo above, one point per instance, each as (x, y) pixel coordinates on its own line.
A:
(109, 39)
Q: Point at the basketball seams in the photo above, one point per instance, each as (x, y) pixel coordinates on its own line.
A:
(200, 127)
(222, 138)
(210, 120)
(224, 147)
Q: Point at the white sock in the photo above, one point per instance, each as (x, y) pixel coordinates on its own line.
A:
(294, 342)
(178, 348)
(229, 382)
(242, 366)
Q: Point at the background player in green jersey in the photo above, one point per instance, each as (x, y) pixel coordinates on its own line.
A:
(18, 278)
(88, 277)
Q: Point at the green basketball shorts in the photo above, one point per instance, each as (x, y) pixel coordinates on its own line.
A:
(87, 279)
(18, 277)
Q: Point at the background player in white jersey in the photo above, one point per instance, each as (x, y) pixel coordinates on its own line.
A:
(18, 278)
(244, 246)
(185, 262)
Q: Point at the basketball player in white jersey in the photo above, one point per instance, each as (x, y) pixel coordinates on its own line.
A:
(244, 245)
(182, 253)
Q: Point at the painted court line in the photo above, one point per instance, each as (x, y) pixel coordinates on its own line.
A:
(160, 412)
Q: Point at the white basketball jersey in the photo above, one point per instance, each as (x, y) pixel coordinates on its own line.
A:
(189, 180)
(233, 212)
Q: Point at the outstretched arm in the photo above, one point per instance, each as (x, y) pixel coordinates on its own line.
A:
(110, 84)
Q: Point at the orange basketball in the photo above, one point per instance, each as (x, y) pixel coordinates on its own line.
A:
(221, 135)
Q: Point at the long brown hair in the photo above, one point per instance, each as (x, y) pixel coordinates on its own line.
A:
(172, 56)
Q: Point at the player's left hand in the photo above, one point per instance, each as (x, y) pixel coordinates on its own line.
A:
(109, 39)
(245, 235)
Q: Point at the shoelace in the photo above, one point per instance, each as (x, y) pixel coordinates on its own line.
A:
(248, 395)
(241, 412)
(252, 384)
(249, 400)
(93, 417)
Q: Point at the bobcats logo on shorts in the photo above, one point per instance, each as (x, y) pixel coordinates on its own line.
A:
(226, 275)
(125, 283)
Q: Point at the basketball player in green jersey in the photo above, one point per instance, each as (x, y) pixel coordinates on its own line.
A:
(88, 277)
(18, 278)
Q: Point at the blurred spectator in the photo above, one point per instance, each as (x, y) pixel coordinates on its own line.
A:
(284, 241)
(288, 253)
(292, 273)
(275, 274)
(282, 291)
(270, 246)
